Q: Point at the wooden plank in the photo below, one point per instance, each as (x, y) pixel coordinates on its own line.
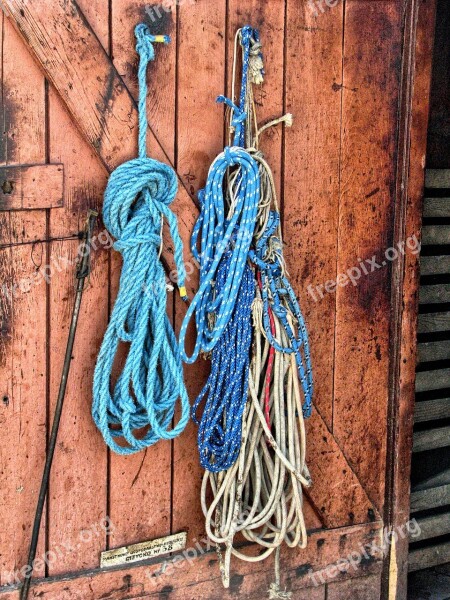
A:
(432, 527)
(434, 294)
(144, 511)
(431, 439)
(197, 147)
(436, 480)
(198, 576)
(437, 178)
(78, 485)
(436, 207)
(430, 498)
(417, 43)
(432, 380)
(23, 305)
(433, 322)
(327, 463)
(362, 337)
(425, 558)
(434, 265)
(431, 410)
(74, 60)
(361, 588)
(311, 178)
(23, 187)
(435, 235)
(429, 351)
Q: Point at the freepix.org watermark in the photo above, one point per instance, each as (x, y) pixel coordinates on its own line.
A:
(364, 268)
(354, 559)
(59, 552)
(156, 12)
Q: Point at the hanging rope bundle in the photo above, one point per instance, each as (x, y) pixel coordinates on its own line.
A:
(137, 199)
(260, 496)
(223, 302)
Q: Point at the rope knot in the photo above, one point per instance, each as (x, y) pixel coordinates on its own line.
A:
(145, 41)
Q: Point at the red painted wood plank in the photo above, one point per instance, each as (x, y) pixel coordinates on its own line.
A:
(31, 187)
(369, 111)
(78, 485)
(364, 588)
(74, 60)
(140, 485)
(419, 36)
(199, 137)
(23, 309)
(199, 577)
(311, 189)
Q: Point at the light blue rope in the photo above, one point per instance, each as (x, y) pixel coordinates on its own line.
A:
(217, 235)
(137, 198)
(222, 305)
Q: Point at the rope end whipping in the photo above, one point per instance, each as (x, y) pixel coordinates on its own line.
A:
(183, 294)
(145, 41)
(161, 39)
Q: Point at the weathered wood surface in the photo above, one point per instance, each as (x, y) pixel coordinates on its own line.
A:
(436, 207)
(31, 187)
(432, 527)
(144, 510)
(430, 498)
(437, 178)
(435, 265)
(432, 380)
(429, 557)
(96, 96)
(429, 323)
(370, 96)
(418, 35)
(364, 588)
(429, 351)
(199, 130)
(438, 437)
(431, 410)
(23, 348)
(311, 177)
(436, 235)
(200, 578)
(332, 73)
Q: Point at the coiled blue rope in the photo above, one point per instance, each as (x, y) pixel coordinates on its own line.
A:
(137, 198)
(222, 305)
(217, 235)
(220, 427)
(278, 295)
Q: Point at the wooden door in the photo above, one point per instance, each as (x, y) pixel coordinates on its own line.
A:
(345, 70)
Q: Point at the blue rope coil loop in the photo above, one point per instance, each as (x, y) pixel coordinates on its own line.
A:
(222, 305)
(137, 199)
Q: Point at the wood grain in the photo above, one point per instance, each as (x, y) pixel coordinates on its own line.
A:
(78, 485)
(31, 187)
(74, 60)
(199, 140)
(371, 81)
(23, 305)
(140, 485)
(200, 578)
(311, 178)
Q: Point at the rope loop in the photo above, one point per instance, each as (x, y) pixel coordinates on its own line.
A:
(137, 199)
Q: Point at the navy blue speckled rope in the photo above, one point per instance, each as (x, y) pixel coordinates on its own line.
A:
(227, 288)
(220, 427)
(277, 293)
